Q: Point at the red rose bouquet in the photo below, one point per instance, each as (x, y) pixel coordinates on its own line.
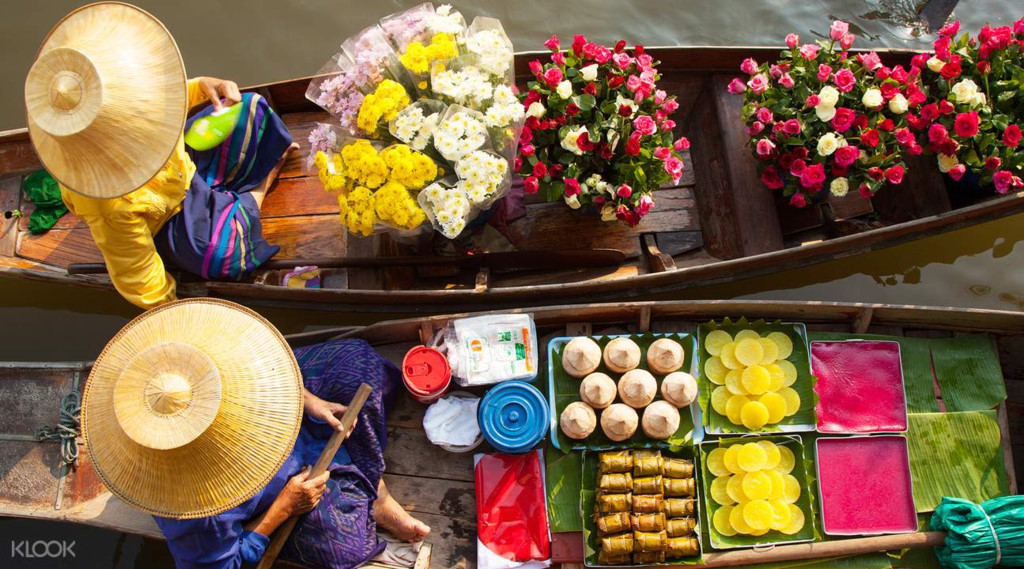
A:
(598, 130)
(822, 118)
(974, 115)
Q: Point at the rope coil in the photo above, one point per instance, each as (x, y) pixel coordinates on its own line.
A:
(67, 429)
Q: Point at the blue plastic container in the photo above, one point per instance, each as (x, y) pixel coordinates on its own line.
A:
(513, 416)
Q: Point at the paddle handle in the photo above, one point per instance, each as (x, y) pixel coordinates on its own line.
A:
(333, 444)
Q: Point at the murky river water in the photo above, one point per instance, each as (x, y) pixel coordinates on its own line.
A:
(272, 40)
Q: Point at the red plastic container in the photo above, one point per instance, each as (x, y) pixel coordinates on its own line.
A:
(426, 374)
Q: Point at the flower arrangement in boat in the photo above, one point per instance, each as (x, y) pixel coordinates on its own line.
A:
(419, 99)
(975, 113)
(823, 120)
(598, 130)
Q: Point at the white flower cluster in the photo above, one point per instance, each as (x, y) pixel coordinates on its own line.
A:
(468, 86)
(570, 138)
(413, 128)
(446, 21)
(481, 174)
(829, 143)
(621, 101)
(449, 207)
(594, 184)
(505, 109)
(967, 93)
(494, 54)
(458, 135)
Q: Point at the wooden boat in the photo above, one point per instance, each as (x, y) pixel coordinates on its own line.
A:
(438, 486)
(718, 225)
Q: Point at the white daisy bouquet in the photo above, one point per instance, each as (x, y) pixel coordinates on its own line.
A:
(425, 83)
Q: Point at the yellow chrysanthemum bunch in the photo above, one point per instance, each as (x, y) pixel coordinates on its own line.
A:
(412, 169)
(396, 207)
(364, 165)
(418, 57)
(330, 170)
(381, 106)
(357, 209)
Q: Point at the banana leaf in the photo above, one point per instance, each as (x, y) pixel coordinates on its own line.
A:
(562, 478)
(955, 454)
(803, 420)
(867, 561)
(980, 536)
(565, 389)
(968, 371)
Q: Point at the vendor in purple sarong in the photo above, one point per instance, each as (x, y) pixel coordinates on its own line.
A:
(106, 101)
(215, 439)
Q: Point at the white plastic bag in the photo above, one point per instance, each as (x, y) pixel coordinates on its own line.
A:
(489, 349)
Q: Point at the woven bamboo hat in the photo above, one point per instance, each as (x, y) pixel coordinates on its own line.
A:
(192, 408)
(106, 99)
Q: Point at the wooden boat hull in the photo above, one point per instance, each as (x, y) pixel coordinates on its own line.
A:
(719, 225)
(438, 486)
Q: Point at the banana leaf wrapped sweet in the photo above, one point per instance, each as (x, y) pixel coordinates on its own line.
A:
(615, 462)
(647, 485)
(675, 486)
(676, 507)
(617, 545)
(649, 522)
(613, 503)
(606, 559)
(648, 504)
(650, 541)
(682, 546)
(646, 463)
(615, 483)
(677, 468)
(613, 523)
(680, 527)
(648, 557)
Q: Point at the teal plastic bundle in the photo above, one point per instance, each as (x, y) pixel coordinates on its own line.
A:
(981, 536)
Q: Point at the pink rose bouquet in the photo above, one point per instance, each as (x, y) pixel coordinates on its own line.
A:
(974, 117)
(821, 119)
(598, 130)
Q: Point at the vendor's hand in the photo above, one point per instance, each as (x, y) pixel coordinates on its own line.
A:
(302, 493)
(218, 89)
(327, 411)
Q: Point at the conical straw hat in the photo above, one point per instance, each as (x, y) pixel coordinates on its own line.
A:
(192, 408)
(106, 99)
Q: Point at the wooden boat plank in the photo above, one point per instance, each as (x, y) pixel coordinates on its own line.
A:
(574, 276)
(436, 496)
(17, 154)
(736, 212)
(60, 247)
(300, 124)
(552, 225)
(304, 195)
(10, 200)
(921, 194)
(34, 398)
(29, 475)
(409, 453)
(452, 541)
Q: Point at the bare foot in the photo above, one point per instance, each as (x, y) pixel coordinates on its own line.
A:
(268, 184)
(390, 515)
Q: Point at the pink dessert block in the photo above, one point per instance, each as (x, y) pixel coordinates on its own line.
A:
(859, 387)
(865, 486)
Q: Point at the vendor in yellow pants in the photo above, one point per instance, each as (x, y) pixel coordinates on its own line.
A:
(107, 100)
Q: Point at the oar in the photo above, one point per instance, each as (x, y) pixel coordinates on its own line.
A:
(333, 444)
(512, 260)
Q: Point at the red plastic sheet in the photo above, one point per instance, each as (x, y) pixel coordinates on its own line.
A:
(859, 387)
(511, 515)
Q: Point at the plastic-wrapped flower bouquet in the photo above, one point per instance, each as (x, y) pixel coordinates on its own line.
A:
(598, 130)
(821, 119)
(419, 101)
(973, 119)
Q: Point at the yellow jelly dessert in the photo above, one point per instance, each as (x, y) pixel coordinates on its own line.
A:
(719, 397)
(730, 461)
(733, 408)
(796, 520)
(734, 488)
(715, 371)
(757, 485)
(716, 462)
(728, 355)
(756, 379)
(720, 492)
(784, 342)
(781, 514)
(754, 415)
(751, 457)
(773, 453)
(737, 521)
(789, 372)
(792, 400)
(722, 523)
(786, 460)
(734, 382)
(790, 488)
(778, 484)
(714, 341)
(758, 514)
(776, 406)
(745, 334)
(771, 351)
(749, 351)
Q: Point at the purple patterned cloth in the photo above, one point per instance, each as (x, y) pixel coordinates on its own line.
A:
(340, 532)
